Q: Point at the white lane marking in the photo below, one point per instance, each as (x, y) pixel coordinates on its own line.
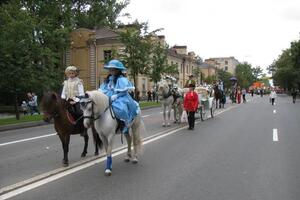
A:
(28, 139)
(43, 136)
(36, 184)
(38, 137)
(275, 135)
(25, 185)
(274, 111)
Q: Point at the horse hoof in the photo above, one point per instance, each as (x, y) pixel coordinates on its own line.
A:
(134, 161)
(65, 164)
(168, 124)
(83, 155)
(163, 125)
(96, 154)
(107, 172)
(127, 159)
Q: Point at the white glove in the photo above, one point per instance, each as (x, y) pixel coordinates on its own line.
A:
(113, 97)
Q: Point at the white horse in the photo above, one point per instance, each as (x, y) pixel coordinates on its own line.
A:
(96, 108)
(166, 97)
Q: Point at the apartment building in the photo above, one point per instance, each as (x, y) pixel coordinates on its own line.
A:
(89, 49)
(225, 63)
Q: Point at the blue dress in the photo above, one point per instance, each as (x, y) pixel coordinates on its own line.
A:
(124, 106)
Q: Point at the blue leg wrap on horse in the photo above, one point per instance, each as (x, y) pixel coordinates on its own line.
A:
(125, 130)
(109, 162)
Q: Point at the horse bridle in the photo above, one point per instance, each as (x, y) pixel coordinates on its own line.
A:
(85, 102)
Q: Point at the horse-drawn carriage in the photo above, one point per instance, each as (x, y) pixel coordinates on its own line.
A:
(206, 102)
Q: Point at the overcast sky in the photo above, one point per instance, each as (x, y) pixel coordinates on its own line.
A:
(255, 31)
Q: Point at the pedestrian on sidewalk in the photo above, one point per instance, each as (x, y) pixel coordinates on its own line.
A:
(252, 92)
(238, 94)
(190, 104)
(33, 103)
(244, 92)
(273, 95)
(25, 108)
(294, 95)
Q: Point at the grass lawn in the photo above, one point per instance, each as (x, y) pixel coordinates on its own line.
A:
(32, 118)
(144, 104)
(23, 118)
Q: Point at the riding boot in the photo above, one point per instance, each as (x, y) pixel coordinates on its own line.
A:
(79, 120)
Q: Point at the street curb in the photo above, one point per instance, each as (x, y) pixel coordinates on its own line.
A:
(22, 125)
(40, 123)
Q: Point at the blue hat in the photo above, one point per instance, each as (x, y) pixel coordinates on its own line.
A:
(115, 64)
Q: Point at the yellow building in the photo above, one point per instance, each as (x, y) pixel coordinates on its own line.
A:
(89, 49)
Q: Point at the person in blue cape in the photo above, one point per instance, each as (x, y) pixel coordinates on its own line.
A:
(117, 87)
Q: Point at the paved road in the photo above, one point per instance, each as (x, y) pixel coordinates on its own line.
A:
(250, 151)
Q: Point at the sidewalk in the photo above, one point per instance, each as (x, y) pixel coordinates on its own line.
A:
(36, 123)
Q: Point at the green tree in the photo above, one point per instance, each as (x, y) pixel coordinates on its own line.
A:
(137, 51)
(198, 74)
(94, 14)
(284, 74)
(210, 79)
(225, 77)
(33, 40)
(257, 73)
(158, 62)
(18, 51)
(244, 75)
(286, 69)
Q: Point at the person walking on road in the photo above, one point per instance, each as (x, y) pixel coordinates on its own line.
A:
(190, 104)
(294, 95)
(273, 96)
(244, 95)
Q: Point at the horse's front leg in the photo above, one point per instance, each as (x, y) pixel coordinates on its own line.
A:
(129, 141)
(86, 142)
(65, 140)
(169, 115)
(108, 155)
(97, 141)
(164, 115)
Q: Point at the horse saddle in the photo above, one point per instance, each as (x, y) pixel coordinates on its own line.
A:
(71, 118)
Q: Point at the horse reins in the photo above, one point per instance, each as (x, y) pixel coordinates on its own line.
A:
(92, 117)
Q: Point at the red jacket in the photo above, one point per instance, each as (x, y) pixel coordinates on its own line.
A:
(190, 102)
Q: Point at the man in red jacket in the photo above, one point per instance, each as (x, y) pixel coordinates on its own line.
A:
(190, 104)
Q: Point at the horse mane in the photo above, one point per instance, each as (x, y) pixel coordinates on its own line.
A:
(48, 99)
(163, 84)
(99, 98)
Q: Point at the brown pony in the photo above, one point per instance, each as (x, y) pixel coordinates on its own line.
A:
(54, 107)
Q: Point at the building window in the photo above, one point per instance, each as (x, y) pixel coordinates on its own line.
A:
(226, 68)
(107, 55)
(226, 62)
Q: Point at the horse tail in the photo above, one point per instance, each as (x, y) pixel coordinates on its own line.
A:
(138, 128)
